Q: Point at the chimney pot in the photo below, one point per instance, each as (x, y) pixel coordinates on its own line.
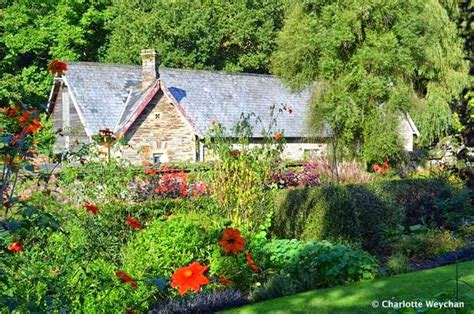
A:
(150, 65)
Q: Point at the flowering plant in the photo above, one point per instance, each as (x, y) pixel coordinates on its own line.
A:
(242, 169)
(167, 182)
(383, 169)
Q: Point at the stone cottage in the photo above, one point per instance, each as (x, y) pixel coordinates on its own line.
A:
(164, 114)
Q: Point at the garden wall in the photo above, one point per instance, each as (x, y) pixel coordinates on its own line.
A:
(363, 213)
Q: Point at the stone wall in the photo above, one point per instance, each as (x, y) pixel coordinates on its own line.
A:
(66, 118)
(295, 151)
(160, 130)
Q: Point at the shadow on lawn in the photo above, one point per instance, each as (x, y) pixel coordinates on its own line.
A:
(367, 297)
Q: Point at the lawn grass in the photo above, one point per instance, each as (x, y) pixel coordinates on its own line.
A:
(357, 297)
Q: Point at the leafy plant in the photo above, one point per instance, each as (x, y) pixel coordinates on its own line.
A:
(319, 264)
(398, 264)
(241, 172)
(431, 243)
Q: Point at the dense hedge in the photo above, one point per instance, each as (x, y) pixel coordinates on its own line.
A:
(365, 213)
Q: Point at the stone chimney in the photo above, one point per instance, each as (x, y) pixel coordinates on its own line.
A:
(150, 65)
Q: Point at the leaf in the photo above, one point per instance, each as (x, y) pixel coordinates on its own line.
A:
(160, 283)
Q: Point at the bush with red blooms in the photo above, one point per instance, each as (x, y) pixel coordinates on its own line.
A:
(319, 172)
(307, 176)
(167, 182)
(381, 169)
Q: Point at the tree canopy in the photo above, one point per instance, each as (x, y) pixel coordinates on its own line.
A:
(372, 60)
(235, 36)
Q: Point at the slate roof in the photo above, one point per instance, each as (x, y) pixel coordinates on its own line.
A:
(107, 94)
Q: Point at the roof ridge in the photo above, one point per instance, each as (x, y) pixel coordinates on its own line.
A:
(101, 64)
(219, 72)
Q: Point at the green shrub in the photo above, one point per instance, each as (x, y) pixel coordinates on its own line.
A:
(97, 181)
(70, 256)
(319, 264)
(275, 287)
(164, 246)
(364, 214)
(398, 264)
(431, 243)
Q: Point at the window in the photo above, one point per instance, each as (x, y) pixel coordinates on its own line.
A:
(156, 158)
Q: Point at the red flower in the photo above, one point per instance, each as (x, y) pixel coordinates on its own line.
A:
(34, 126)
(15, 247)
(377, 168)
(57, 68)
(151, 171)
(232, 241)
(278, 136)
(24, 118)
(213, 121)
(133, 223)
(251, 262)
(91, 208)
(223, 280)
(12, 111)
(189, 278)
(126, 278)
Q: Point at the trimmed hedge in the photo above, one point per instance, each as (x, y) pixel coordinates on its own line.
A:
(364, 213)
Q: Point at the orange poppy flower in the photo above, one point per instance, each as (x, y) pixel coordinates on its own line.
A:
(24, 118)
(151, 171)
(57, 68)
(34, 126)
(15, 247)
(126, 278)
(91, 208)
(250, 261)
(232, 241)
(133, 223)
(278, 136)
(189, 278)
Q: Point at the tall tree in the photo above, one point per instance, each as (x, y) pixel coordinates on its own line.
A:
(210, 34)
(34, 32)
(373, 59)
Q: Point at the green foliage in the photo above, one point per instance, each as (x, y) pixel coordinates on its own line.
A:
(34, 32)
(312, 265)
(374, 59)
(97, 181)
(431, 243)
(366, 214)
(46, 137)
(70, 256)
(168, 245)
(239, 176)
(381, 139)
(236, 36)
(398, 264)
